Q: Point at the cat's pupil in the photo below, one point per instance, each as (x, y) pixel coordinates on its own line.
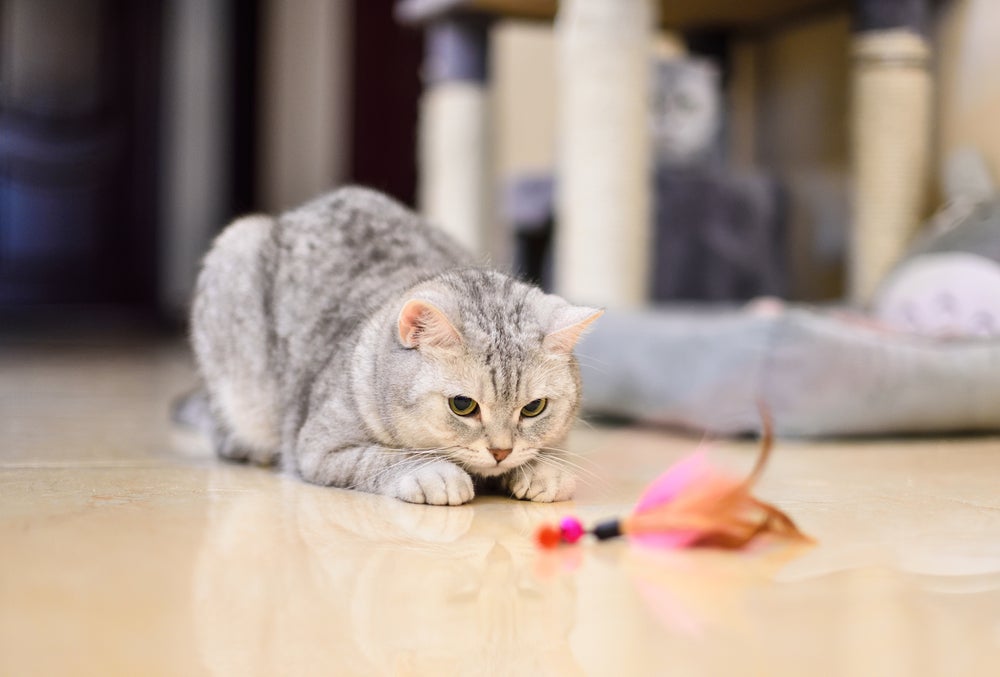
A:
(462, 405)
(533, 408)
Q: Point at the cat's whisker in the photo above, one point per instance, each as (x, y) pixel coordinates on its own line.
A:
(583, 475)
(580, 471)
(585, 356)
(415, 450)
(431, 451)
(582, 455)
(575, 454)
(568, 460)
(414, 460)
(405, 465)
(373, 479)
(524, 473)
(592, 367)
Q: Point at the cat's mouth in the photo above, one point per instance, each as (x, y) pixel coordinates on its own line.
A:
(493, 469)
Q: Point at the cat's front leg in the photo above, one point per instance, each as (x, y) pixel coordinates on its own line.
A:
(541, 482)
(411, 477)
(437, 482)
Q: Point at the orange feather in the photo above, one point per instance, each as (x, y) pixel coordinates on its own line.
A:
(697, 504)
(693, 504)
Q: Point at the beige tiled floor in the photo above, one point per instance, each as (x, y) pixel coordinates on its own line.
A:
(127, 550)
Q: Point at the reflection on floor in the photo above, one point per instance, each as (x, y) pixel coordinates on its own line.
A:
(128, 550)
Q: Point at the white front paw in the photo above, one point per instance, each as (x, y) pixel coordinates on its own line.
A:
(542, 483)
(437, 483)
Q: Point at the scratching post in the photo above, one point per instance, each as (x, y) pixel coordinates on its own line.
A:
(454, 153)
(890, 136)
(603, 172)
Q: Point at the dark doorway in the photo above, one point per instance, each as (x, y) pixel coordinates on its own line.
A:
(78, 151)
(386, 75)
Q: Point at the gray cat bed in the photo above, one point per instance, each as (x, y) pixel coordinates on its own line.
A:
(927, 360)
(819, 372)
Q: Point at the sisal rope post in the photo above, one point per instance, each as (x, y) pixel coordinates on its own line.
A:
(455, 161)
(602, 252)
(454, 150)
(890, 143)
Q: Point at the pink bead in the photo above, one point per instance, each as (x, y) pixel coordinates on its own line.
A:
(571, 529)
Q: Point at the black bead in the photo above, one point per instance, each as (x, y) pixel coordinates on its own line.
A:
(608, 529)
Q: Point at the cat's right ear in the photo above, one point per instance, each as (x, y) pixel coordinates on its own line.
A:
(424, 324)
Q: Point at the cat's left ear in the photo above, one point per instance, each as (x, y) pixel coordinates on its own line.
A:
(422, 323)
(567, 326)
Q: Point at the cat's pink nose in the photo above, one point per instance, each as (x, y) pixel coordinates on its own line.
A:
(500, 454)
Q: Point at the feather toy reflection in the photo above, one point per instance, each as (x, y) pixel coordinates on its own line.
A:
(692, 504)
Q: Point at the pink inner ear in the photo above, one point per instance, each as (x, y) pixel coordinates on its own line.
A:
(422, 324)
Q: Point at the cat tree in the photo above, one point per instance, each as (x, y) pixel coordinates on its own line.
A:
(603, 195)
(455, 158)
(820, 372)
(604, 198)
(603, 163)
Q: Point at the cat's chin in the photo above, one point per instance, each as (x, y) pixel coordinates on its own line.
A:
(490, 471)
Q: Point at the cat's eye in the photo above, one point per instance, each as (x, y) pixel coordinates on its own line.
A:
(462, 405)
(534, 408)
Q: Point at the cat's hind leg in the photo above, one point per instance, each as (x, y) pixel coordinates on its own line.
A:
(229, 332)
(194, 411)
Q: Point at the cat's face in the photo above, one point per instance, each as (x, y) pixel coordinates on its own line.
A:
(490, 390)
(518, 409)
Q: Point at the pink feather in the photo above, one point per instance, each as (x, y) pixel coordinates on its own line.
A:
(695, 503)
(686, 472)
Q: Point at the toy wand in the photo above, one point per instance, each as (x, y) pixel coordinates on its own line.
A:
(692, 504)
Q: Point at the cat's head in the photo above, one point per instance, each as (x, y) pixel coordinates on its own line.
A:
(482, 368)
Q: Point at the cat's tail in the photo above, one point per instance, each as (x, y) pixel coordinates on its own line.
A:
(192, 410)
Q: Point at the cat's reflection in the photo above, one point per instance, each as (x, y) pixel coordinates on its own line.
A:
(308, 580)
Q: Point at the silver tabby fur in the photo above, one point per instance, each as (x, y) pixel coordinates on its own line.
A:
(330, 338)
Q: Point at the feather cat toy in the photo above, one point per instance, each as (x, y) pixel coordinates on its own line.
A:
(692, 504)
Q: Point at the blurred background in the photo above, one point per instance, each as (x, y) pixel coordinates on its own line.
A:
(132, 131)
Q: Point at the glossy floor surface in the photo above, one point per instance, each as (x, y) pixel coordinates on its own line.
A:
(128, 550)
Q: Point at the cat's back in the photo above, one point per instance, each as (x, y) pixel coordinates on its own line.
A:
(337, 258)
(363, 232)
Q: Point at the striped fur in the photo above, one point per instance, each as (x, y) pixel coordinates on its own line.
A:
(295, 327)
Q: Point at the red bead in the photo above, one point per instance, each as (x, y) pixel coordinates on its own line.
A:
(548, 536)
(570, 529)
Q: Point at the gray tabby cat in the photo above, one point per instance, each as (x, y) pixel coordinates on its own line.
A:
(360, 347)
